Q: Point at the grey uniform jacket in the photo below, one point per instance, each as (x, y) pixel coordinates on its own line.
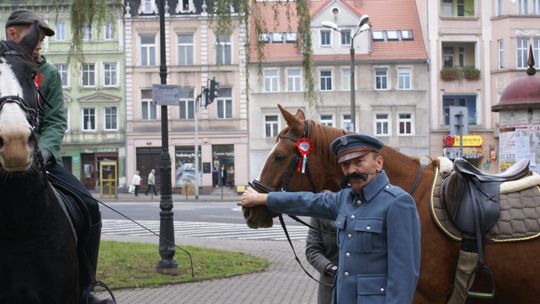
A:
(321, 250)
(378, 235)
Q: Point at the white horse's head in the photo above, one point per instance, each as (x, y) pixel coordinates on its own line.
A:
(18, 103)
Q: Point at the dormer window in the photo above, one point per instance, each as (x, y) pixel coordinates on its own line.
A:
(185, 6)
(148, 7)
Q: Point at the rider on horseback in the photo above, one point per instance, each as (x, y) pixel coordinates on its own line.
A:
(51, 130)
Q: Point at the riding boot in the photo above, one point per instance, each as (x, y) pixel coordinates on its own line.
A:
(89, 267)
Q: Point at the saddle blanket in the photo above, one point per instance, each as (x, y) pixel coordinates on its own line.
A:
(519, 219)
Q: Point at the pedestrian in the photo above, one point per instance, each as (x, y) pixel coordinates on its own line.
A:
(51, 131)
(223, 176)
(378, 228)
(151, 182)
(215, 174)
(322, 253)
(136, 182)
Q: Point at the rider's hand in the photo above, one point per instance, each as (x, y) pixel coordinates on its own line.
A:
(252, 198)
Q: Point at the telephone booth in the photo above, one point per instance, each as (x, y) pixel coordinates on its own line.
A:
(108, 171)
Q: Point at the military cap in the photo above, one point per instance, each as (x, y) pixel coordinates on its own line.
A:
(27, 17)
(354, 145)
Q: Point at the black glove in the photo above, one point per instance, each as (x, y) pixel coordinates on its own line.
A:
(46, 155)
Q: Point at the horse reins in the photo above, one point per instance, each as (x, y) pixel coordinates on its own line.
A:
(286, 179)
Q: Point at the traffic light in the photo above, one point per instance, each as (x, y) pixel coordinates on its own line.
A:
(212, 91)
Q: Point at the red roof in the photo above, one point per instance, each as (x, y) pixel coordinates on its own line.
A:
(383, 15)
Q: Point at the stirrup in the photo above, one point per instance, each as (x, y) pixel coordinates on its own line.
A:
(481, 294)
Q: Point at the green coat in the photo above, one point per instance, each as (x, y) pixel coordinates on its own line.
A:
(53, 121)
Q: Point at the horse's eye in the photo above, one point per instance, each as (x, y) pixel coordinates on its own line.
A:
(279, 157)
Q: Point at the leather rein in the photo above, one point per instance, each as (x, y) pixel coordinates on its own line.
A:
(286, 179)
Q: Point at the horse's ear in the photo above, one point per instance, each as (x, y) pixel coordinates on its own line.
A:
(300, 115)
(292, 121)
(31, 39)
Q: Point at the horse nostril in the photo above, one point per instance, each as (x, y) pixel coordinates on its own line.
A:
(1, 142)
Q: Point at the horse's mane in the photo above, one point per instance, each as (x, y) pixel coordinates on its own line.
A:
(6, 45)
(324, 135)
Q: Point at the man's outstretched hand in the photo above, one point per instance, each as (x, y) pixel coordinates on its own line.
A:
(252, 198)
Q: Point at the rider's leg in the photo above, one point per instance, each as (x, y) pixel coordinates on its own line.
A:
(88, 256)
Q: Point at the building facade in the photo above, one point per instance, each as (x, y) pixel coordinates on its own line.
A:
(197, 50)
(93, 89)
(391, 80)
(476, 49)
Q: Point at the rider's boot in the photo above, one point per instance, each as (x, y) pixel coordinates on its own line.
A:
(88, 272)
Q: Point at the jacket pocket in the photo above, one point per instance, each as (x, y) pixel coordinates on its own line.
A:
(371, 289)
(367, 230)
(340, 225)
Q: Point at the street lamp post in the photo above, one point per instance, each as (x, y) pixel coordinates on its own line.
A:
(166, 225)
(362, 26)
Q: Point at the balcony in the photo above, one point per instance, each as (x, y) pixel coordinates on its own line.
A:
(468, 72)
(457, 8)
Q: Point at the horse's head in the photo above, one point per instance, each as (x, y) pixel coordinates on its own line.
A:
(19, 113)
(283, 167)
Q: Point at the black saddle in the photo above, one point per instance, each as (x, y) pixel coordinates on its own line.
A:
(76, 211)
(471, 198)
(516, 171)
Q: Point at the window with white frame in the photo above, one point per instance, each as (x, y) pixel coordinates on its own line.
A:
(326, 38)
(111, 118)
(536, 7)
(63, 71)
(271, 126)
(87, 32)
(148, 50)
(224, 103)
(223, 49)
(523, 7)
(461, 56)
(89, 119)
(381, 79)
(66, 115)
(89, 75)
(148, 106)
(187, 103)
(110, 72)
(382, 124)
(447, 8)
(325, 80)
(404, 78)
(521, 55)
(185, 49)
(448, 57)
(108, 30)
(405, 124)
(327, 120)
(500, 7)
(346, 79)
(148, 7)
(293, 80)
(346, 122)
(270, 80)
(500, 47)
(60, 34)
(346, 38)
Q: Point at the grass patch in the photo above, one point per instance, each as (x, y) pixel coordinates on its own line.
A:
(131, 265)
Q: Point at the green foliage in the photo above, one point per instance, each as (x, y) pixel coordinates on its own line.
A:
(133, 265)
(470, 72)
(450, 74)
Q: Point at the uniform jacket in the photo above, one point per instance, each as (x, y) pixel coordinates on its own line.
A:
(378, 235)
(52, 121)
(151, 178)
(321, 250)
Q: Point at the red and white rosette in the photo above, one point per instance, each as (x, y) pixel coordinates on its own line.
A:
(305, 146)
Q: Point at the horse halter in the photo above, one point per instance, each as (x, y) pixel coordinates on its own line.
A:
(287, 176)
(32, 115)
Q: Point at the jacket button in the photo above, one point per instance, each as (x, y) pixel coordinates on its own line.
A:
(348, 254)
(382, 289)
(359, 202)
(353, 216)
(346, 274)
(349, 236)
(368, 227)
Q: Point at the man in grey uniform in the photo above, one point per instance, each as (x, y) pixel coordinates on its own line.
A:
(378, 228)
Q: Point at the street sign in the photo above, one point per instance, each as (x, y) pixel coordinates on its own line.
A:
(166, 94)
(459, 120)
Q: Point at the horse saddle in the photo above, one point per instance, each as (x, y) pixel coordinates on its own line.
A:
(75, 211)
(472, 197)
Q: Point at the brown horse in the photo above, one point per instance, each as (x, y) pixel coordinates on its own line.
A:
(515, 266)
